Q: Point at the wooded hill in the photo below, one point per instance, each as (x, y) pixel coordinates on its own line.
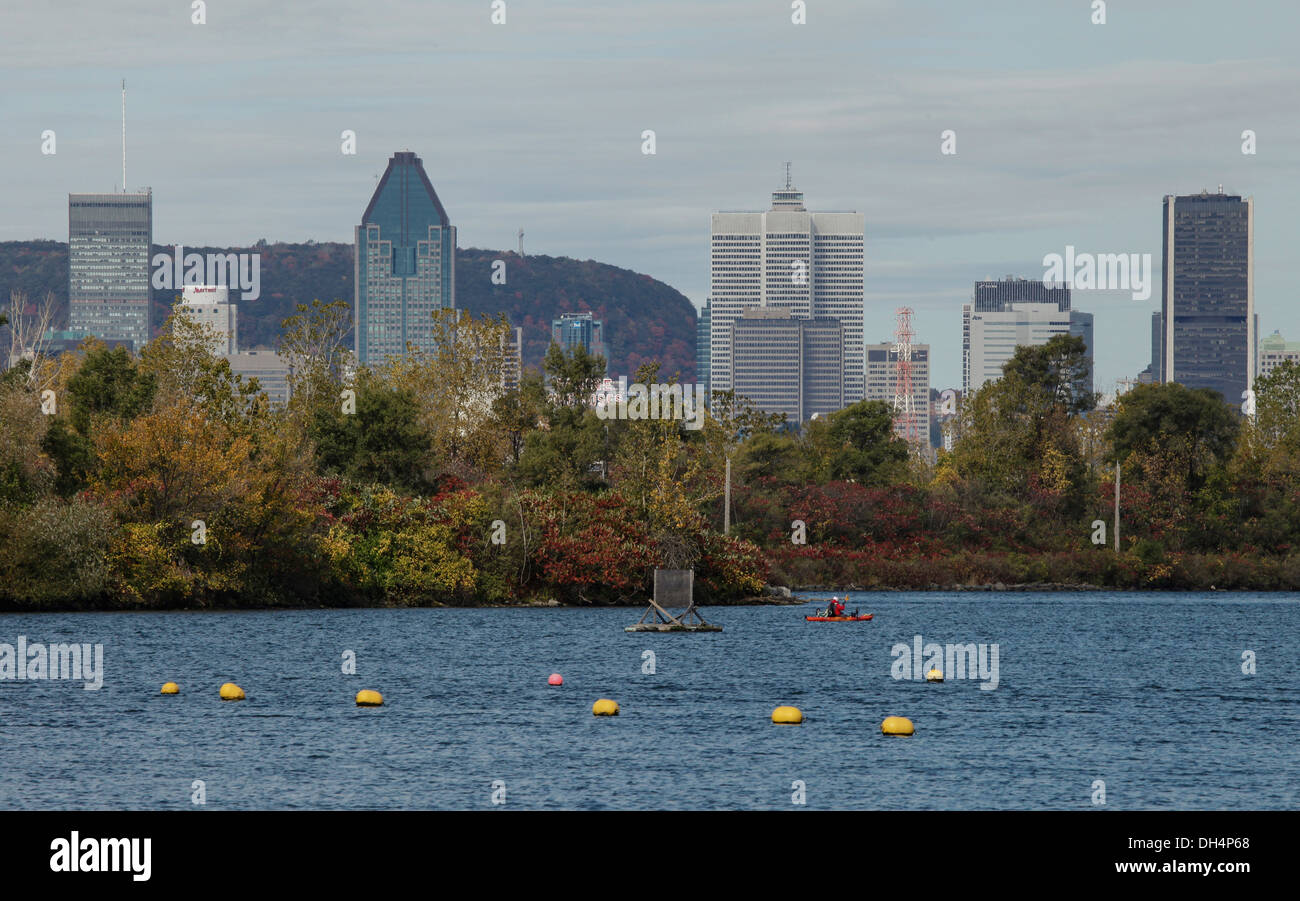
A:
(644, 319)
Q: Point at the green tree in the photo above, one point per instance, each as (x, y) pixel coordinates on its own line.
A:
(864, 446)
(1196, 421)
(572, 437)
(383, 442)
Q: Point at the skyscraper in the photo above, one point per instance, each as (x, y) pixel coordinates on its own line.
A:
(572, 329)
(1208, 293)
(210, 306)
(702, 338)
(788, 364)
(109, 240)
(787, 258)
(995, 335)
(405, 267)
(1006, 313)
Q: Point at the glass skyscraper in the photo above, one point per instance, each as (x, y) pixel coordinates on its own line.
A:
(109, 240)
(572, 329)
(405, 266)
(1208, 293)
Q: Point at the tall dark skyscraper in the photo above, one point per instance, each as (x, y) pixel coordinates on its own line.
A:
(405, 265)
(1208, 293)
(109, 240)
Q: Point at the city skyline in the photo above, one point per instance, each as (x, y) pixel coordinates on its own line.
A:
(1068, 141)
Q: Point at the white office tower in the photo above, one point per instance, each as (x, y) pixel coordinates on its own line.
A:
(809, 264)
(994, 336)
(210, 305)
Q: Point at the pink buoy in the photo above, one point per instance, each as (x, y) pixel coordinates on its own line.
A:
(555, 679)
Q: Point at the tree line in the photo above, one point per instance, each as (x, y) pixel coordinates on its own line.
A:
(165, 480)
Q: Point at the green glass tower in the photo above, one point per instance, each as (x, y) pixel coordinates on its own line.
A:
(405, 266)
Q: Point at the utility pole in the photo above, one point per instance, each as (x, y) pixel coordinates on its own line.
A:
(1117, 506)
(726, 502)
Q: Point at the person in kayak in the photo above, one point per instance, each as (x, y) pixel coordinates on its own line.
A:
(837, 607)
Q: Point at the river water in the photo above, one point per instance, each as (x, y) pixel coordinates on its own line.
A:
(1114, 700)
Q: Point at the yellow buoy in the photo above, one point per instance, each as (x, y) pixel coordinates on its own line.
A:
(897, 725)
(231, 692)
(791, 716)
(605, 707)
(171, 688)
(934, 675)
(368, 698)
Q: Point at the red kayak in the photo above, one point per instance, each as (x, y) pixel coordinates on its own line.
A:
(838, 619)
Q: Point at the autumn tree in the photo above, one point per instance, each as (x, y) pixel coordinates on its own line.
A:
(456, 383)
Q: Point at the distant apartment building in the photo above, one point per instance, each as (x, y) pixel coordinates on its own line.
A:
(109, 241)
(1276, 350)
(269, 368)
(405, 267)
(991, 338)
(702, 337)
(788, 364)
(209, 306)
(807, 265)
(882, 383)
(1207, 294)
(571, 330)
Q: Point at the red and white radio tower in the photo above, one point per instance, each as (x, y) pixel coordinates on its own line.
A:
(904, 411)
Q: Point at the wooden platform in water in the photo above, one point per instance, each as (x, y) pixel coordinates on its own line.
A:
(672, 627)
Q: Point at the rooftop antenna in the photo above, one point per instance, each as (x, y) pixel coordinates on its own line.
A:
(787, 175)
(521, 242)
(123, 135)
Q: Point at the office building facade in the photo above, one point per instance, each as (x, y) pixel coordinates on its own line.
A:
(703, 336)
(210, 306)
(788, 364)
(882, 383)
(994, 296)
(808, 265)
(994, 337)
(109, 241)
(579, 329)
(405, 267)
(1208, 293)
(1276, 350)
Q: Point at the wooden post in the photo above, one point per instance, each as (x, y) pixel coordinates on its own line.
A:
(726, 502)
(1117, 506)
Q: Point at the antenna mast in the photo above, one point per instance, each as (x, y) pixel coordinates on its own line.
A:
(904, 403)
(123, 135)
(787, 175)
(521, 242)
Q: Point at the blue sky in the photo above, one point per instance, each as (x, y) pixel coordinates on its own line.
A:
(1067, 132)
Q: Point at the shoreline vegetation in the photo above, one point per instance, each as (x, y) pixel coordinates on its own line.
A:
(164, 481)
